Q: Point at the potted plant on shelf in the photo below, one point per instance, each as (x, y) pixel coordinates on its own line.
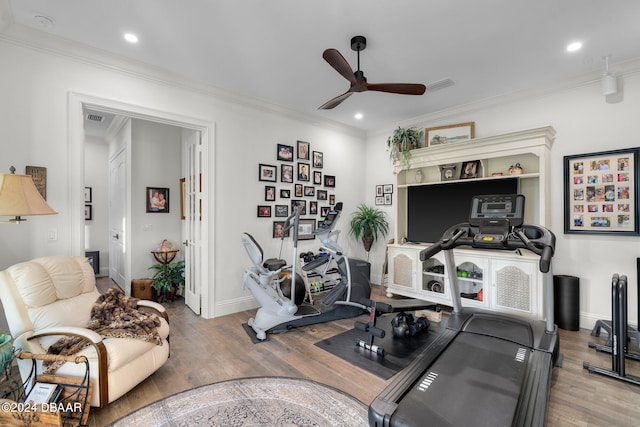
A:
(367, 225)
(166, 279)
(402, 141)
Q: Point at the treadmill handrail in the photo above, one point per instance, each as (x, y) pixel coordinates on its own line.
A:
(535, 238)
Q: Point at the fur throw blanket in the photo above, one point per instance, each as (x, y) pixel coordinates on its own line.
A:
(114, 315)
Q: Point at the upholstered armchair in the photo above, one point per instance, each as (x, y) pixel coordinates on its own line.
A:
(47, 298)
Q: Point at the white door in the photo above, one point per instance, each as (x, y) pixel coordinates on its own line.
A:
(193, 230)
(117, 217)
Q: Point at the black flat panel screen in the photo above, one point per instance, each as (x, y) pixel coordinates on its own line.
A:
(432, 209)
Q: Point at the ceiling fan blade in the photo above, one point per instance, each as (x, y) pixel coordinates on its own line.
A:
(332, 103)
(337, 61)
(401, 88)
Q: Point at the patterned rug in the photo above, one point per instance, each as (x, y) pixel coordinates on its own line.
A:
(264, 401)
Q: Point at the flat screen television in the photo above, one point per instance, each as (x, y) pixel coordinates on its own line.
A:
(432, 209)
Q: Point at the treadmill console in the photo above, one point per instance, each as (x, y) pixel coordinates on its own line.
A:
(495, 215)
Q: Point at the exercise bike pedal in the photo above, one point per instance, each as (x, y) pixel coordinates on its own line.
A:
(334, 294)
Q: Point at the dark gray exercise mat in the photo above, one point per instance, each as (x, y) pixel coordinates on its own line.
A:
(399, 352)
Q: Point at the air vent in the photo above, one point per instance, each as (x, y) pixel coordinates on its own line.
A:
(95, 118)
(440, 84)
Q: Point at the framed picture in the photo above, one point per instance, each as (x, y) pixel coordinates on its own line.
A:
(298, 190)
(324, 210)
(470, 169)
(305, 229)
(282, 211)
(278, 227)
(264, 211)
(88, 195)
(88, 212)
(94, 260)
(379, 200)
(269, 193)
(313, 208)
(309, 191)
(322, 194)
(601, 193)
(286, 173)
(157, 200)
(329, 181)
(301, 205)
(332, 199)
(388, 199)
(387, 189)
(39, 178)
(318, 159)
(447, 172)
(285, 153)
(285, 194)
(303, 172)
(303, 150)
(449, 134)
(267, 173)
(379, 190)
(317, 177)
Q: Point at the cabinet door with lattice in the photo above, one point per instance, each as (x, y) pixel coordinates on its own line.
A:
(515, 287)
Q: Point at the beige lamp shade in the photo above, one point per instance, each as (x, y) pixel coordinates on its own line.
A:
(20, 197)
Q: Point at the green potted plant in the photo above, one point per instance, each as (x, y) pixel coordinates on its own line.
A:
(402, 141)
(367, 225)
(167, 278)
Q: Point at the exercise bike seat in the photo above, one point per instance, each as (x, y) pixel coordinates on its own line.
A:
(274, 264)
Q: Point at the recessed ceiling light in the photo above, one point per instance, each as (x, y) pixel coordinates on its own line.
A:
(131, 38)
(575, 46)
(358, 116)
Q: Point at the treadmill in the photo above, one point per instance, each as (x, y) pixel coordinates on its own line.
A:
(485, 368)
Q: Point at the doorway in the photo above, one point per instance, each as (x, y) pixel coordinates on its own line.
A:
(199, 267)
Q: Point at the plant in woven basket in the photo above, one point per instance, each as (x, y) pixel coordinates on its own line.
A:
(367, 225)
(402, 141)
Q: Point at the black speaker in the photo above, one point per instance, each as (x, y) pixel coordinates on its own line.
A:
(566, 295)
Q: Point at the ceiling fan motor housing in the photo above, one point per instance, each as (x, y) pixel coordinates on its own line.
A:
(358, 43)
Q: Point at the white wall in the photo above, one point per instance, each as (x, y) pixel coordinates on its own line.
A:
(96, 173)
(585, 122)
(36, 81)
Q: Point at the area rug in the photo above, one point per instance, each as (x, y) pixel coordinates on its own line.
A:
(398, 352)
(264, 401)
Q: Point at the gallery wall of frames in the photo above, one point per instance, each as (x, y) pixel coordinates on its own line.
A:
(296, 179)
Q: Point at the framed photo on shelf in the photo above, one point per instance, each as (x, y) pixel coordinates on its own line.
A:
(470, 169)
(264, 211)
(285, 153)
(318, 159)
(305, 229)
(267, 173)
(303, 150)
(286, 173)
(449, 134)
(157, 200)
(601, 193)
(447, 172)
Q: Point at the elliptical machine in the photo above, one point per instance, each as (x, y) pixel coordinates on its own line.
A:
(282, 309)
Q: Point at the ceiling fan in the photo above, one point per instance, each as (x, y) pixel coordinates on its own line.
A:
(358, 80)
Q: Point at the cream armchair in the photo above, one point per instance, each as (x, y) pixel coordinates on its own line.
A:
(50, 297)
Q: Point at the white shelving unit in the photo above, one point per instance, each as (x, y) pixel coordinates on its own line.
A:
(500, 281)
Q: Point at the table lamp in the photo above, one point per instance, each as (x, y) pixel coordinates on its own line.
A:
(19, 197)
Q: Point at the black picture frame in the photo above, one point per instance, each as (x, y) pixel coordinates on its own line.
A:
(94, 260)
(387, 189)
(285, 153)
(267, 173)
(278, 226)
(309, 191)
(286, 173)
(88, 212)
(88, 195)
(321, 194)
(317, 178)
(281, 211)
(313, 208)
(329, 181)
(305, 229)
(303, 150)
(285, 193)
(299, 204)
(269, 193)
(264, 211)
(157, 200)
(297, 190)
(447, 172)
(601, 193)
(470, 169)
(317, 159)
(304, 172)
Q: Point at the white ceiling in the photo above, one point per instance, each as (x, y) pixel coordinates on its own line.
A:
(272, 50)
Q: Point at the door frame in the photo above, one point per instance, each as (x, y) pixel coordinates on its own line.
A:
(75, 222)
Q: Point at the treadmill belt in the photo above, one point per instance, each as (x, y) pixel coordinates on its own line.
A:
(476, 381)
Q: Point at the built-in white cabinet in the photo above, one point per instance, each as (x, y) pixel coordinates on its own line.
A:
(494, 280)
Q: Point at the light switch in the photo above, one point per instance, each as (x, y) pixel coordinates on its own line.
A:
(52, 234)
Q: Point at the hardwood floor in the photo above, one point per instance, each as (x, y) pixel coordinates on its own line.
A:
(206, 351)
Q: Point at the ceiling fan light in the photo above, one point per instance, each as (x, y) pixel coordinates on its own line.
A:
(574, 47)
